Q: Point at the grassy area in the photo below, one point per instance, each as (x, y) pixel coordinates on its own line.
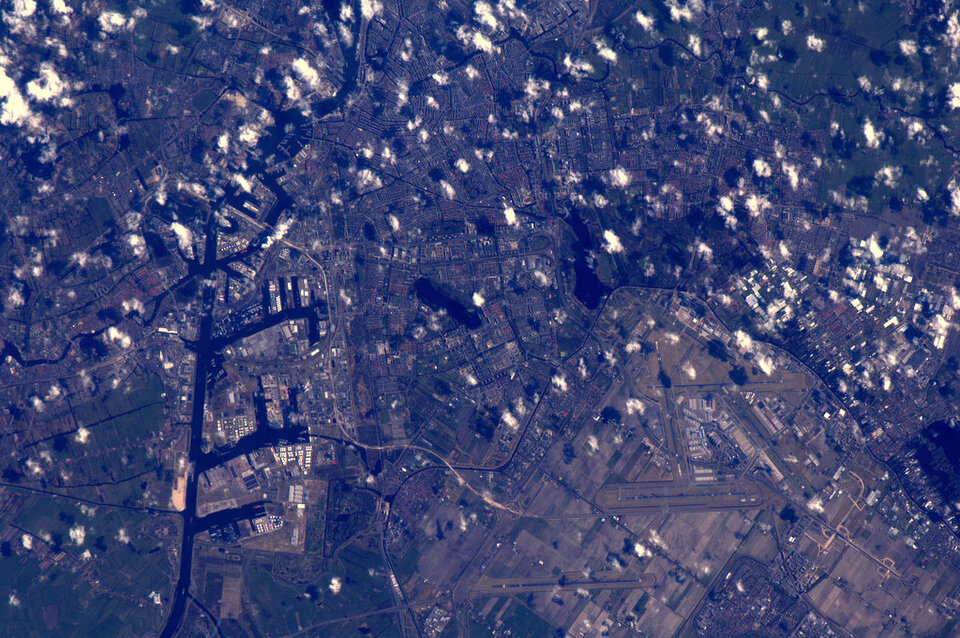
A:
(117, 428)
(517, 618)
(354, 584)
(81, 575)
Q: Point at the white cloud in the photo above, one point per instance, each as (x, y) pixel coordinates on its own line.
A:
(761, 168)
(292, 91)
(478, 299)
(448, 190)
(889, 176)
(15, 298)
(605, 52)
(611, 242)
(756, 204)
(560, 382)
(78, 534)
(243, 183)
(23, 8)
(47, 86)
(184, 235)
(112, 22)
(335, 585)
(619, 177)
(132, 305)
(483, 13)
(645, 21)
(306, 72)
(370, 8)
(481, 42)
(792, 175)
(137, 243)
(680, 12)
(15, 111)
(873, 136)
(765, 364)
(577, 68)
(279, 232)
(815, 44)
(952, 35)
(635, 406)
(119, 337)
(953, 95)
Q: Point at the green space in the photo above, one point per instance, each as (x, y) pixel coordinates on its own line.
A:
(354, 584)
(518, 619)
(78, 574)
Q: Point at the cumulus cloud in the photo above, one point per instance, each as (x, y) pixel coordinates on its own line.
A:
(645, 21)
(78, 534)
(184, 235)
(815, 44)
(115, 335)
(761, 168)
(306, 72)
(48, 86)
(559, 381)
(113, 22)
(448, 190)
(279, 232)
(619, 177)
(872, 135)
(604, 51)
(370, 8)
(14, 111)
(635, 406)
(335, 585)
(953, 95)
(611, 242)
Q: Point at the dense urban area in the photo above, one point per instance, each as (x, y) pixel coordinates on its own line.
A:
(469, 318)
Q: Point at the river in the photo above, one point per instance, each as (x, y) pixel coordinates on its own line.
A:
(292, 138)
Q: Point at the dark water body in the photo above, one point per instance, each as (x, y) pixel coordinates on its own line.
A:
(311, 313)
(436, 299)
(588, 289)
(263, 437)
(938, 453)
(284, 139)
(225, 517)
